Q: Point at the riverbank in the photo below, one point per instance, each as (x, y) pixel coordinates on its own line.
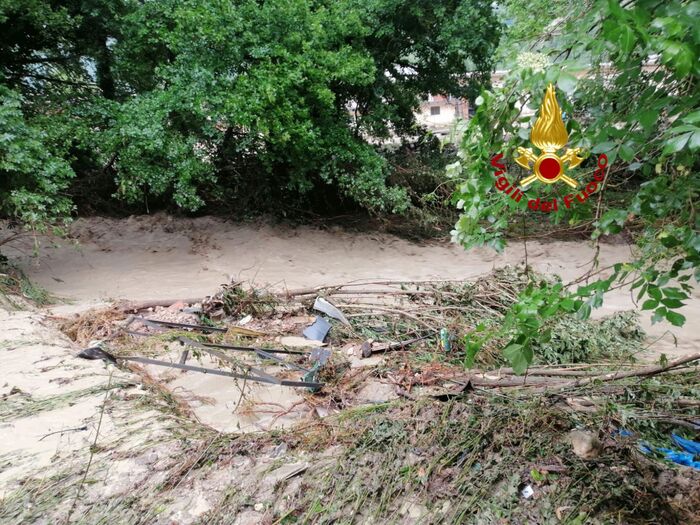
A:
(160, 257)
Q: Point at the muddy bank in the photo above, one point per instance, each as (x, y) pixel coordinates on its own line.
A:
(101, 445)
(151, 257)
(381, 443)
(161, 257)
(82, 442)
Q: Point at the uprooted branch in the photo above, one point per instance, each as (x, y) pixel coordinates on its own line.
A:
(543, 378)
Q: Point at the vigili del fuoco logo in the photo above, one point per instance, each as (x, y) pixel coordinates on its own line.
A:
(549, 136)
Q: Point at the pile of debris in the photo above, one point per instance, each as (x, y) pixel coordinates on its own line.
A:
(332, 343)
(302, 330)
(365, 386)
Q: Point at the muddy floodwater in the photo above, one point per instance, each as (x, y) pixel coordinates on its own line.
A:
(160, 257)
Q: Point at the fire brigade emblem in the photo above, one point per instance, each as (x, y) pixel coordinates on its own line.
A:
(549, 135)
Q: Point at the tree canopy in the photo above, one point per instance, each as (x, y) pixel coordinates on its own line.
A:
(201, 101)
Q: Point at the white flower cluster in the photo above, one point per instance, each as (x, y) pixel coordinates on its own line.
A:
(536, 61)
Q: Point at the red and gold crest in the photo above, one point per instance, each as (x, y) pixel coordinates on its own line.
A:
(549, 135)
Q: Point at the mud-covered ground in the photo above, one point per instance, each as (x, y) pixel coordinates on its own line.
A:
(88, 442)
(161, 257)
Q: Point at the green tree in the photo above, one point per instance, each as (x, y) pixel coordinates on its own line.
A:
(54, 64)
(628, 79)
(202, 101)
(34, 177)
(280, 77)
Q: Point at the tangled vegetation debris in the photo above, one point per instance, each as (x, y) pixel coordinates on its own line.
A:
(233, 300)
(94, 324)
(16, 290)
(438, 442)
(383, 316)
(465, 459)
(429, 321)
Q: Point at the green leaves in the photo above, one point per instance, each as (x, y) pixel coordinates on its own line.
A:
(675, 318)
(650, 304)
(647, 118)
(676, 143)
(584, 312)
(684, 135)
(611, 222)
(644, 117)
(526, 322)
(675, 34)
(679, 56)
(34, 173)
(626, 39)
(282, 75)
(240, 101)
(604, 147)
(518, 356)
(567, 82)
(473, 342)
(626, 152)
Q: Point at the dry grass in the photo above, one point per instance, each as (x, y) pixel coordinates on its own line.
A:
(93, 325)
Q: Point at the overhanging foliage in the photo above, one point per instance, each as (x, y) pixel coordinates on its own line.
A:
(627, 76)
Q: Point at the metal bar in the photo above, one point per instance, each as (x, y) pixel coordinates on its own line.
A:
(293, 366)
(267, 354)
(187, 340)
(170, 324)
(254, 348)
(399, 344)
(233, 362)
(259, 351)
(302, 384)
(191, 368)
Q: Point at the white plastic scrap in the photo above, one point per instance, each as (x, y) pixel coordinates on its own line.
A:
(327, 308)
(527, 492)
